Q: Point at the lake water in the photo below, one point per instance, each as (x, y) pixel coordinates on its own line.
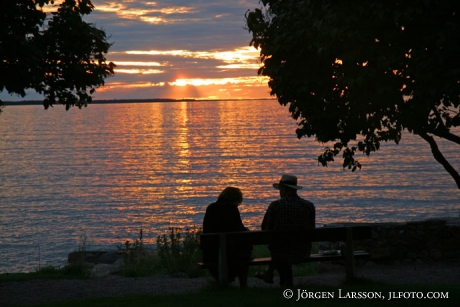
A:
(108, 170)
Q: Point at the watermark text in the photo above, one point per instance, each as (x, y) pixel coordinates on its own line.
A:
(303, 294)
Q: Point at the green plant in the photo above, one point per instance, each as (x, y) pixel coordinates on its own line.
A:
(137, 260)
(44, 272)
(179, 253)
(77, 267)
(49, 270)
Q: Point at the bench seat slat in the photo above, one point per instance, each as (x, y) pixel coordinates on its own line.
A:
(313, 258)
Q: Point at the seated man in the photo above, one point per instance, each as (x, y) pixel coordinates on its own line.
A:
(288, 213)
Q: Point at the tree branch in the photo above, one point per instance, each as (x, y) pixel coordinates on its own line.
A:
(440, 158)
(443, 132)
(447, 135)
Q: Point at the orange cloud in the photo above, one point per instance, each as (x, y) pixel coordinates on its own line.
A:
(153, 15)
(137, 63)
(245, 55)
(252, 81)
(139, 71)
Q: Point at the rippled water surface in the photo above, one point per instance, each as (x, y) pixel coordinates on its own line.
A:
(108, 170)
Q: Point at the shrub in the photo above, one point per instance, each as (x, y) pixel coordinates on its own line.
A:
(179, 253)
(137, 260)
(77, 268)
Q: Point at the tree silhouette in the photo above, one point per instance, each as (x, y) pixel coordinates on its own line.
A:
(363, 73)
(58, 55)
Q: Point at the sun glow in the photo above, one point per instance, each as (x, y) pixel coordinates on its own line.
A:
(213, 74)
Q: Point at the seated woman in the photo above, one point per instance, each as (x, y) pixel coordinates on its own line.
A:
(224, 216)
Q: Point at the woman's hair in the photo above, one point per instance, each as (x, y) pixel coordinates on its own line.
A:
(231, 195)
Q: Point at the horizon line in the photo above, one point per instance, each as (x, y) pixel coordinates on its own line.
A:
(127, 100)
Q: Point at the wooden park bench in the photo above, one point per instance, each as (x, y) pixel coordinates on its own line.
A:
(347, 234)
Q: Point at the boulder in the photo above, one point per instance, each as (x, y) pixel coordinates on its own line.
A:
(103, 270)
(96, 257)
(108, 257)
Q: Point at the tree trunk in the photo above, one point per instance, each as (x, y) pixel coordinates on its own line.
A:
(440, 158)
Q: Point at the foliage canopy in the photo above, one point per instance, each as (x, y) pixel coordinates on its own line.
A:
(365, 71)
(58, 55)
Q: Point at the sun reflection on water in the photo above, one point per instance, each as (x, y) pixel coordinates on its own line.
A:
(109, 170)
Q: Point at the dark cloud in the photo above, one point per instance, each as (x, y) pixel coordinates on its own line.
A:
(195, 25)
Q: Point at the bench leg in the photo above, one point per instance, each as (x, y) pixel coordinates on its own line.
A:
(285, 272)
(349, 255)
(223, 262)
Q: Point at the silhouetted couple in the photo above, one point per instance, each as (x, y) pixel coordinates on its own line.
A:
(290, 212)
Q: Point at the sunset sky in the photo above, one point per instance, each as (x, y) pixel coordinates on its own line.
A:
(177, 49)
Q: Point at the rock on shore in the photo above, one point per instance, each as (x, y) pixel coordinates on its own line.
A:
(100, 263)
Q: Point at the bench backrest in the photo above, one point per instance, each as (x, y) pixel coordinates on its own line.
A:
(266, 237)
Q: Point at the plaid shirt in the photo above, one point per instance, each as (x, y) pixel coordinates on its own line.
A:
(290, 213)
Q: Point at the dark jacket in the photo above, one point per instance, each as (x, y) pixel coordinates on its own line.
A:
(222, 217)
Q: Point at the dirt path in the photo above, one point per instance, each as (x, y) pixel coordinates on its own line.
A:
(34, 292)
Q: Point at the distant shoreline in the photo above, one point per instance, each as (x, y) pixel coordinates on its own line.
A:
(114, 101)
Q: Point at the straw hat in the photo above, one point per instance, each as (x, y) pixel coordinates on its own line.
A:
(289, 181)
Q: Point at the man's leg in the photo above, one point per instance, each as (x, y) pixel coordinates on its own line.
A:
(243, 277)
(285, 272)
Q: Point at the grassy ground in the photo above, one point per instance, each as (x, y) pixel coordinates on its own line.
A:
(48, 273)
(215, 295)
(147, 265)
(229, 296)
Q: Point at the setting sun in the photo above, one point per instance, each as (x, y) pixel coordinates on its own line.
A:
(225, 66)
